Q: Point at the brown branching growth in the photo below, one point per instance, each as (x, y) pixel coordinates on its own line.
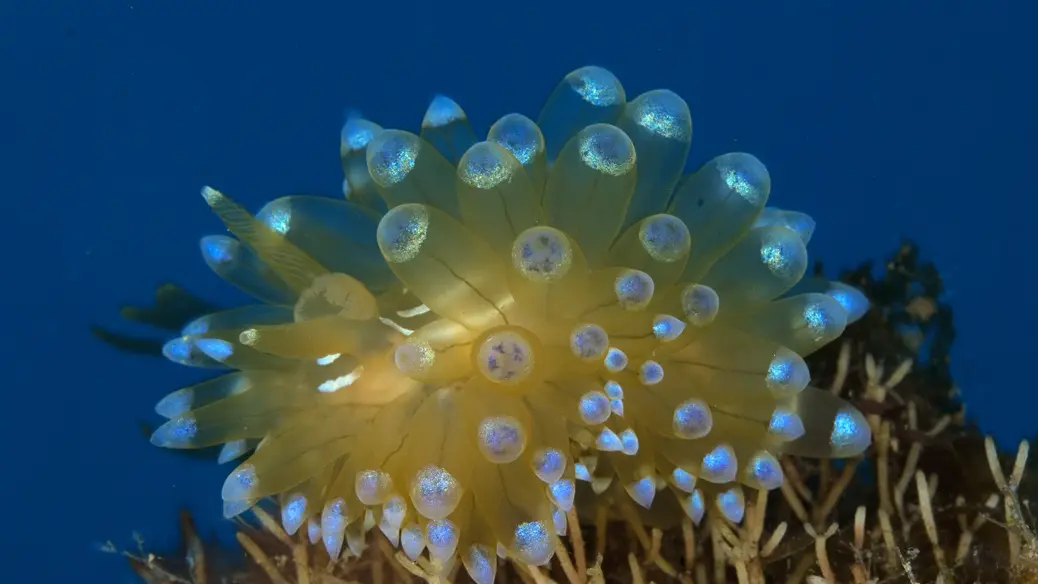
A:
(929, 502)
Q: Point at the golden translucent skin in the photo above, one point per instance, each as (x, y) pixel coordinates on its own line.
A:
(505, 330)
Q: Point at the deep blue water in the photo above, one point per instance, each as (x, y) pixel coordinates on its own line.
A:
(881, 119)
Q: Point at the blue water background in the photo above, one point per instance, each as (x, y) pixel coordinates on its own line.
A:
(881, 119)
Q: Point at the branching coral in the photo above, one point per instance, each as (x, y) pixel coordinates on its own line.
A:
(920, 506)
(481, 326)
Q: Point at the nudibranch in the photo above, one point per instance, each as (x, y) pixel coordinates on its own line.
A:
(479, 326)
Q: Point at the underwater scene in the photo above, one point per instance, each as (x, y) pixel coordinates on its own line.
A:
(545, 294)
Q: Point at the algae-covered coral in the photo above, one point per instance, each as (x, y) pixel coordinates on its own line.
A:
(866, 521)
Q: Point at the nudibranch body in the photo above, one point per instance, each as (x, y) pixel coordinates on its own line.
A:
(480, 325)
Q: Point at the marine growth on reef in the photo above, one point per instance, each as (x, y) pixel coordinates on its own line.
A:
(479, 326)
